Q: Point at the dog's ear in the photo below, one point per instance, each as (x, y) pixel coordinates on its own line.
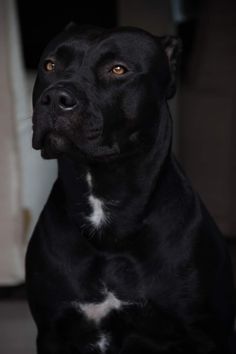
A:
(70, 26)
(173, 47)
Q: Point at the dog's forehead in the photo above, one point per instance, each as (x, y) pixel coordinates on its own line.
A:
(128, 35)
(75, 40)
(128, 41)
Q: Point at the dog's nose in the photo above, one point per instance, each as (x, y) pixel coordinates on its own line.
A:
(60, 98)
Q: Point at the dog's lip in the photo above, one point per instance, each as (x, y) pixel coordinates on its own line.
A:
(53, 143)
(37, 139)
(52, 139)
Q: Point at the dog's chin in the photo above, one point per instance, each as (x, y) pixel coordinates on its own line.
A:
(54, 145)
(97, 152)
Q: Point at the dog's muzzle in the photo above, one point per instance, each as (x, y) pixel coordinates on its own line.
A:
(52, 111)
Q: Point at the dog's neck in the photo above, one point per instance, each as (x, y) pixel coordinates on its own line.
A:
(113, 195)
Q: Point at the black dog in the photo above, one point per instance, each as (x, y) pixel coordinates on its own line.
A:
(124, 258)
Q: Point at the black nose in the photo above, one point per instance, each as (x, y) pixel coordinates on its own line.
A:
(59, 98)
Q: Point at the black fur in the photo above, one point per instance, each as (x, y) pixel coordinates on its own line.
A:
(159, 251)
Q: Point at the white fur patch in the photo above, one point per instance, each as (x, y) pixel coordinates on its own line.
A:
(97, 311)
(89, 179)
(97, 218)
(103, 343)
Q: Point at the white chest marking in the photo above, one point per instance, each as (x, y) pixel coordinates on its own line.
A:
(97, 311)
(103, 343)
(97, 217)
(89, 180)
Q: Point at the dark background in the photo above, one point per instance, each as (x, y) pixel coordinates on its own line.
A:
(53, 16)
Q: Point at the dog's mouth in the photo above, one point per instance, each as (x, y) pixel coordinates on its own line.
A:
(58, 138)
(52, 144)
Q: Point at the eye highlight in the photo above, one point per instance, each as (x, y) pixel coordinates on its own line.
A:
(49, 65)
(118, 70)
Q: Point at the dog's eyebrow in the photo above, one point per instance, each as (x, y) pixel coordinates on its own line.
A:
(65, 52)
(111, 58)
(108, 56)
(68, 52)
(112, 53)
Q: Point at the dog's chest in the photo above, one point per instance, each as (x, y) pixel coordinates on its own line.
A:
(101, 212)
(95, 313)
(98, 215)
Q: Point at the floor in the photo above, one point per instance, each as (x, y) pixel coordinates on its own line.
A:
(17, 330)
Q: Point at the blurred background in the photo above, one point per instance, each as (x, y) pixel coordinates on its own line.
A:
(204, 113)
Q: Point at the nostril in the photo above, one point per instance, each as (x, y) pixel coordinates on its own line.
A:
(58, 98)
(66, 101)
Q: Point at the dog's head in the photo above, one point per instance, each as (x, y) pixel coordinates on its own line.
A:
(99, 92)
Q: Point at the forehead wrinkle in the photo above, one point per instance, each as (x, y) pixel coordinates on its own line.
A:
(126, 45)
(70, 43)
(113, 53)
(71, 51)
(65, 51)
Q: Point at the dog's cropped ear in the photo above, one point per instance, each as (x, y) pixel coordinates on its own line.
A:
(70, 26)
(173, 47)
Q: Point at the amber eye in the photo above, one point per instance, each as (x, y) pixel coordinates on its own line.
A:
(49, 65)
(119, 70)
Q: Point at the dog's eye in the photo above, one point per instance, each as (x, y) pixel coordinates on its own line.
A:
(49, 65)
(118, 70)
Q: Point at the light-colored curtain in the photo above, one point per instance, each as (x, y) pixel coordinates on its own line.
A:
(25, 179)
(11, 226)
